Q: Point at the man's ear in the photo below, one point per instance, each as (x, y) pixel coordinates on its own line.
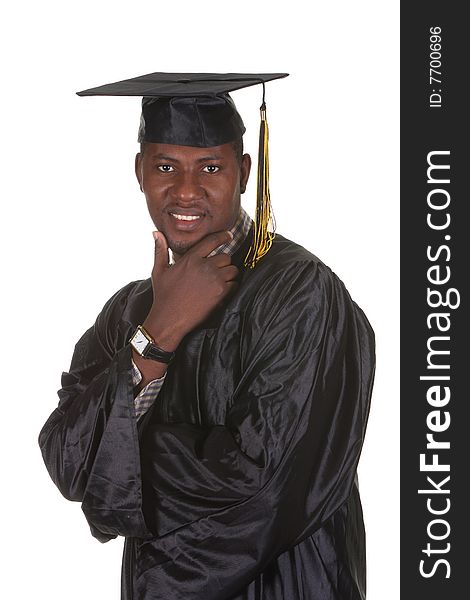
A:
(138, 169)
(245, 169)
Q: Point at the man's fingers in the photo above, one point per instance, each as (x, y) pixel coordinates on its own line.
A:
(161, 251)
(229, 273)
(211, 242)
(220, 260)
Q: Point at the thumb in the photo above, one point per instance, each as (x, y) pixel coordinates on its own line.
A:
(161, 251)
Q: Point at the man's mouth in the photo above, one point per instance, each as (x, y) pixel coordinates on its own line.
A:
(186, 222)
(186, 217)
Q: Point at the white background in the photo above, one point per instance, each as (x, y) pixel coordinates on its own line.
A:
(75, 227)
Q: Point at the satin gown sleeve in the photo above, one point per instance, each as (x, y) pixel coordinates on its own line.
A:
(89, 443)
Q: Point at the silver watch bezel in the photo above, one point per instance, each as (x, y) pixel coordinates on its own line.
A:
(140, 334)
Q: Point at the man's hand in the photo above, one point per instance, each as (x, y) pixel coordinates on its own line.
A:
(186, 292)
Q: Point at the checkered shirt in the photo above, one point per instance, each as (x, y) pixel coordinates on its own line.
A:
(144, 400)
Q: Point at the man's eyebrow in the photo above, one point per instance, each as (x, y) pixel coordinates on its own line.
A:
(164, 157)
(212, 157)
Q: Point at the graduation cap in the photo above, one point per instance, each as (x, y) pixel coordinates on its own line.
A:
(195, 109)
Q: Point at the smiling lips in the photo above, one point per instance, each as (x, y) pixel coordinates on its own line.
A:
(186, 217)
(186, 222)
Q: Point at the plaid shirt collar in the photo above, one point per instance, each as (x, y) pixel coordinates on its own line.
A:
(240, 230)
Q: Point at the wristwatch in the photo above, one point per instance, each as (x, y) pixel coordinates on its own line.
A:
(144, 344)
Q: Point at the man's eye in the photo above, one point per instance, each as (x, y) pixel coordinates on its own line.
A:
(165, 168)
(211, 169)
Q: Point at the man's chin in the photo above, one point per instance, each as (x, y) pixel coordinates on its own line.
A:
(180, 247)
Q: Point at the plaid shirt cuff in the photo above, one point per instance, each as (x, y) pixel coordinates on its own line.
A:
(147, 396)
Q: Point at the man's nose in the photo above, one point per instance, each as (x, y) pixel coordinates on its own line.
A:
(187, 188)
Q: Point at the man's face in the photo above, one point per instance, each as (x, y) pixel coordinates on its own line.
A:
(191, 192)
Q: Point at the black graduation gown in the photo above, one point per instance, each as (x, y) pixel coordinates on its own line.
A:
(240, 482)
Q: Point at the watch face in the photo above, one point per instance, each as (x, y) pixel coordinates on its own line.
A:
(139, 341)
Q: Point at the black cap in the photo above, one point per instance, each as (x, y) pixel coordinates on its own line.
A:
(197, 121)
(187, 109)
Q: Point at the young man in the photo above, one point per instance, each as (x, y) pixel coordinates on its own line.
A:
(214, 414)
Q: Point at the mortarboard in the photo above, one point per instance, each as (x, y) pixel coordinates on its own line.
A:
(195, 109)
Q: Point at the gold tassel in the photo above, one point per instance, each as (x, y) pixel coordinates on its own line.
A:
(262, 237)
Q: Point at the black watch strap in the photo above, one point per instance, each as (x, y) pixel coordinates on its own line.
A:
(155, 353)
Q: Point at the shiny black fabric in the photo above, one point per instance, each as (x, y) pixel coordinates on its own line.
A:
(240, 483)
(200, 122)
